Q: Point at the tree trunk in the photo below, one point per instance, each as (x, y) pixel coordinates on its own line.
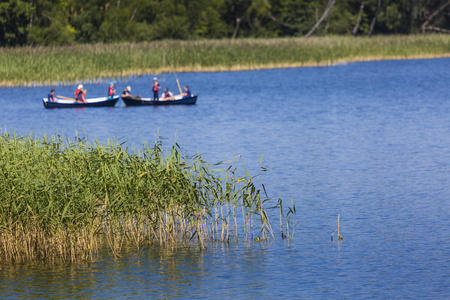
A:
(238, 20)
(325, 14)
(424, 26)
(117, 19)
(374, 20)
(358, 20)
(133, 15)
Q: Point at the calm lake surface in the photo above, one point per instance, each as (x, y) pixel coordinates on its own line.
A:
(369, 141)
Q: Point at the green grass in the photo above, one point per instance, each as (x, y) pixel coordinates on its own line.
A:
(72, 64)
(67, 200)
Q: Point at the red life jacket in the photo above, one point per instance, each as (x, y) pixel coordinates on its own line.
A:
(78, 92)
(155, 87)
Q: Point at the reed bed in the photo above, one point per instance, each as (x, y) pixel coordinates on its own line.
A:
(67, 200)
(33, 66)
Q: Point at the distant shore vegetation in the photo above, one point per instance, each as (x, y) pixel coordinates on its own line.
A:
(59, 65)
(68, 22)
(50, 42)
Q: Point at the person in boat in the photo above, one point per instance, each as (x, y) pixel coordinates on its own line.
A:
(155, 88)
(111, 90)
(82, 96)
(187, 92)
(127, 92)
(78, 92)
(51, 96)
(167, 95)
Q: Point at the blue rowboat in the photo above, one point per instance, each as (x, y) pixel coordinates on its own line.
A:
(177, 100)
(70, 103)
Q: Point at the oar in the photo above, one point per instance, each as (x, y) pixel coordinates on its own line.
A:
(179, 86)
(66, 98)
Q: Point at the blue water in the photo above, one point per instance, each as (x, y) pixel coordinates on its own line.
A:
(368, 141)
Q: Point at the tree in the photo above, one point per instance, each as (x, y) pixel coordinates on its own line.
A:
(61, 22)
(209, 24)
(15, 19)
(51, 25)
(87, 16)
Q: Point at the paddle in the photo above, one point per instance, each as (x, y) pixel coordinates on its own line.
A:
(181, 92)
(71, 99)
(176, 77)
(66, 98)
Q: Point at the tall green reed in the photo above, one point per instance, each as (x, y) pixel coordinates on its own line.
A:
(65, 200)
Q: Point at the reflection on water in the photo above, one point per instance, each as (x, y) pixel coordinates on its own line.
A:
(368, 141)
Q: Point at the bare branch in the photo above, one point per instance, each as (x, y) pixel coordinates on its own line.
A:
(134, 14)
(238, 21)
(434, 14)
(358, 20)
(325, 14)
(436, 29)
(374, 20)
(280, 22)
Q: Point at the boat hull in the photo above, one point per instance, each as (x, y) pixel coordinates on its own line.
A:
(94, 102)
(130, 101)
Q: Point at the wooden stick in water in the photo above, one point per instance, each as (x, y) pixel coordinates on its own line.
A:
(339, 236)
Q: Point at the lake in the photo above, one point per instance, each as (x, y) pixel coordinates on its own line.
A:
(367, 141)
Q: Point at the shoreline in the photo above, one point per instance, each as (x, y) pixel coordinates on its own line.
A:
(98, 63)
(199, 69)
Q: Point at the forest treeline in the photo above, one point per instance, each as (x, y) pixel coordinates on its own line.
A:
(65, 22)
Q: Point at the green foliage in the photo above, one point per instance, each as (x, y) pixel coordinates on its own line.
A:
(51, 25)
(15, 17)
(62, 22)
(210, 24)
(391, 17)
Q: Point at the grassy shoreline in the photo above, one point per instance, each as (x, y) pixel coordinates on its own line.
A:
(87, 63)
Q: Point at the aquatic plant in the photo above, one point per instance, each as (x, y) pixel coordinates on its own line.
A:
(89, 63)
(63, 199)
